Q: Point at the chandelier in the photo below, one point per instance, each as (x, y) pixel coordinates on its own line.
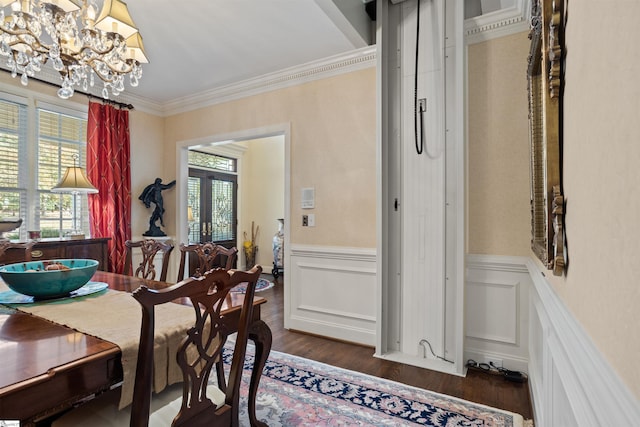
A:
(78, 45)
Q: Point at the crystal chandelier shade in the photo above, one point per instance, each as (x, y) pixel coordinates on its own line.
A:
(78, 45)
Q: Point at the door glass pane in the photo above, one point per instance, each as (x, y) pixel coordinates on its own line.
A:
(193, 199)
(211, 161)
(222, 210)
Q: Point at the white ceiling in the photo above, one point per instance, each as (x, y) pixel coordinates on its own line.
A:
(205, 44)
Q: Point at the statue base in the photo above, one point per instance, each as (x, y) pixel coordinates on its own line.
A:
(154, 231)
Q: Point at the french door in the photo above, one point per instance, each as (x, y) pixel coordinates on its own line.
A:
(213, 207)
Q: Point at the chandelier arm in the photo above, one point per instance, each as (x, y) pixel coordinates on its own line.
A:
(99, 52)
(94, 67)
(37, 47)
(42, 48)
(108, 49)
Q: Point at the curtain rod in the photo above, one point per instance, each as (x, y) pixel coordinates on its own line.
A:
(88, 95)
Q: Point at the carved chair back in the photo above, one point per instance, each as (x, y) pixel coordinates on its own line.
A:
(207, 256)
(201, 349)
(149, 249)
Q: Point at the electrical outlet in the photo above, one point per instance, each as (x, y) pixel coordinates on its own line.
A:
(311, 220)
(423, 104)
(305, 220)
(496, 363)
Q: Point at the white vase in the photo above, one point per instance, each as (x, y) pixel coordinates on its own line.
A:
(278, 249)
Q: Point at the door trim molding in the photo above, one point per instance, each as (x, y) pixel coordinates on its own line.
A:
(220, 140)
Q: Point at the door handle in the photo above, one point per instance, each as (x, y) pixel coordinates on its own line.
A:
(206, 228)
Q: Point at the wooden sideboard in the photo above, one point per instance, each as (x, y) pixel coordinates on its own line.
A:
(64, 249)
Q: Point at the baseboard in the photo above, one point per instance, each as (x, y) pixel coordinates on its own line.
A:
(571, 382)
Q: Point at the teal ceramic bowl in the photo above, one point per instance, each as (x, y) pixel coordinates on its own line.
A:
(34, 279)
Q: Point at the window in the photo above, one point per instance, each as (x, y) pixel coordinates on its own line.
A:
(38, 144)
(13, 129)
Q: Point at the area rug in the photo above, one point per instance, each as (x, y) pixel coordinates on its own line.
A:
(261, 285)
(299, 392)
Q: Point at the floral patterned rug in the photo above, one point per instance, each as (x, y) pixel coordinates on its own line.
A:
(299, 392)
(261, 285)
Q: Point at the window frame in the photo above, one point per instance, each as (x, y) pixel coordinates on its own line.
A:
(28, 178)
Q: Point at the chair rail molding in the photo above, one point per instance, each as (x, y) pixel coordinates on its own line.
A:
(571, 382)
(334, 292)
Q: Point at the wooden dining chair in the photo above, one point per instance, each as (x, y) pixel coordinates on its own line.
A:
(11, 252)
(149, 249)
(198, 402)
(207, 256)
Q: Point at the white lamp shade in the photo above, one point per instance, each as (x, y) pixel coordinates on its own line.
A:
(135, 49)
(115, 17)
(74, 181)
(66, 5)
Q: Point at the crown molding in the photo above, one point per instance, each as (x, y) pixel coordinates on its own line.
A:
(500, 23)
(334, 65)
(485, 27)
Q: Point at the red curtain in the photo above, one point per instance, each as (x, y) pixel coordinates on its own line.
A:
(109, 170)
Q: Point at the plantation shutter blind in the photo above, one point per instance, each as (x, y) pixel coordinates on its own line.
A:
(13, 161)
(61, 136)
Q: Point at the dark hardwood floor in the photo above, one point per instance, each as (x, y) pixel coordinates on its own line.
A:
(477, 386)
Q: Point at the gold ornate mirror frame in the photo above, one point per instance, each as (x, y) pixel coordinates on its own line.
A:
(544, 76)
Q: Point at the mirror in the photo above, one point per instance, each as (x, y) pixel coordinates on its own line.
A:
(544, 76)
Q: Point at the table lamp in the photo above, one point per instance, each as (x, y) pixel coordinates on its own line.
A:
(190, 219)
(75, 182)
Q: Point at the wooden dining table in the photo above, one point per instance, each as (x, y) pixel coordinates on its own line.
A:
(46, 368)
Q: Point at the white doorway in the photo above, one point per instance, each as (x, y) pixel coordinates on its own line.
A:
(256, 203)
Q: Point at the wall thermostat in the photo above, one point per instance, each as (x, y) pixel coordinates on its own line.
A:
(308, 198)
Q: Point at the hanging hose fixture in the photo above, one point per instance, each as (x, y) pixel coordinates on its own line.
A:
(419, 133)
(424, 351)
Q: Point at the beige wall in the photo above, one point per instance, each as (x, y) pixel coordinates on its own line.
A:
(498, 174)
(602, 179)
(262, 194)
(147, 158)
(333, 139)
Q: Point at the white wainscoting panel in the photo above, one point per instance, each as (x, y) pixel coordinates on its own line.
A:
(333, 292)
(495, 298)
(571, 382)
(497, 310)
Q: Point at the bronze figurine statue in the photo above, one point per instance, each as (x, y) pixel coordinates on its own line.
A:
(153, 194)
